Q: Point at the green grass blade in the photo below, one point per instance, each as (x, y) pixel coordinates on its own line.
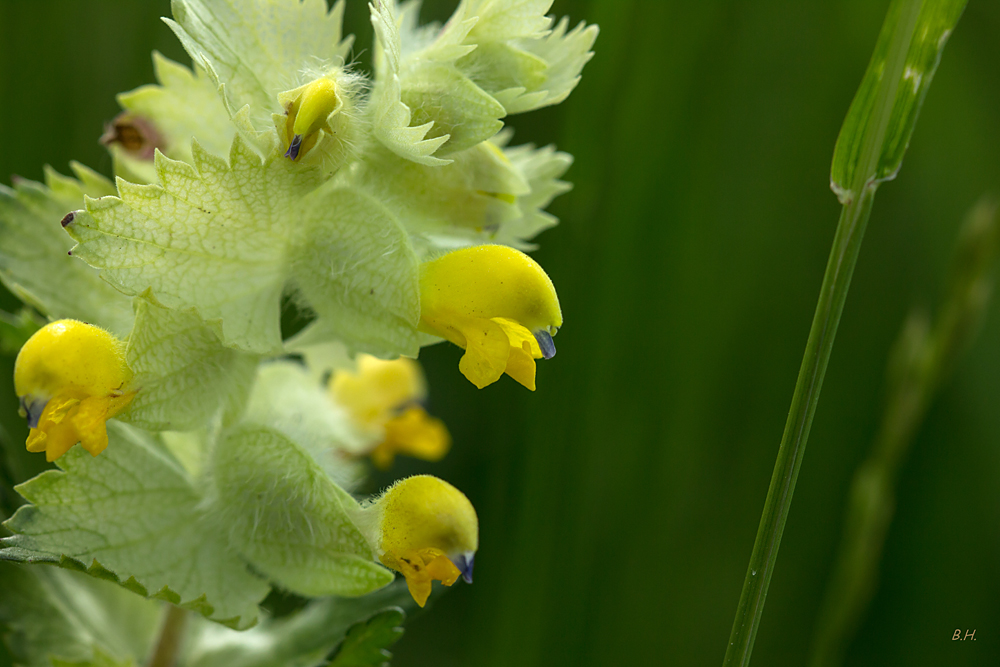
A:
(884, 112)
(869, 150)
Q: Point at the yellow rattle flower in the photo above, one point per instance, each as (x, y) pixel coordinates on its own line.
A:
(383, 399)
(429, 532)
(498, 304)
(71, 377)
(308, 107)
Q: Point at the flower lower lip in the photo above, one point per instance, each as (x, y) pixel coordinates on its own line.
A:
(546, 344)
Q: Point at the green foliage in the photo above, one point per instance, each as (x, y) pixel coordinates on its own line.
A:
(185, 104)
(873, 129)
(288, 398)
(241, 477)
(880, 122)
(183, 374)
(58, 616)
(227, 238)
(304, 639)
(253, 48)
(34, 263)
(213, 236)
(366, 641)
(359, 273)
(132, 515)
(287, 517)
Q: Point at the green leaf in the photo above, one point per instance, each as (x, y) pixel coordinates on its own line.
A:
(225, 239)
(184, 105)
(366, 642)
(99, 659)
(34, 263)
(183, 373)
(461, 110)
(289, 399)
(132, 515)
(564, 54)
(259, 48)
(16, 329)
(288, 518)
(301, 640)
(358, 272)
(213, 236)
(52, 613)
(489, 194)
(391, 118)
(542, 169)
(884, 112)
(514, 19)
(420, 85)
(521, 62)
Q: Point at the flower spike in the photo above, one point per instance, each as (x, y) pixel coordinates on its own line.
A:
(71, 377)
(429, 532)
(498, 304)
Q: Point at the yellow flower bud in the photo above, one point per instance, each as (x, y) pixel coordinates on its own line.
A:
(498, 304)
(383, 399)
(429, 532)
(71, 377)
(307, 108)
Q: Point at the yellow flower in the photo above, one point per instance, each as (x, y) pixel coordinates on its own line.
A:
(498, 304)
(308, 107)
(71, 377)
(383, 399)
(429, 532)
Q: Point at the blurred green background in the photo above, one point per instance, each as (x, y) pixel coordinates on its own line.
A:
(619, 503)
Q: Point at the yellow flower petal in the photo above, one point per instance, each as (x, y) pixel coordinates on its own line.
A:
(75, 374)
(486, 350)
(373, 393)
(426, 525)
(496, 302)
(421, 568)
(413, 433)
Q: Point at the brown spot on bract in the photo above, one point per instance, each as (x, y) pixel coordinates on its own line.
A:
(68, 219)
(135, 134)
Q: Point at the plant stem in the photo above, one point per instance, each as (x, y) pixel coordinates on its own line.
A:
(833, 294)
(171, 636)
(857, 200)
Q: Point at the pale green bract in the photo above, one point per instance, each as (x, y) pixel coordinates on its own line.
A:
(519, 60)
(425, 88)
(542, 169)
(34, 263)
(226, 239)
(184, 376)
(259, 49)
(488, 194)
(133, 515)
(287, 517)
(185, 104)
(292, 400)
(440, 92)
